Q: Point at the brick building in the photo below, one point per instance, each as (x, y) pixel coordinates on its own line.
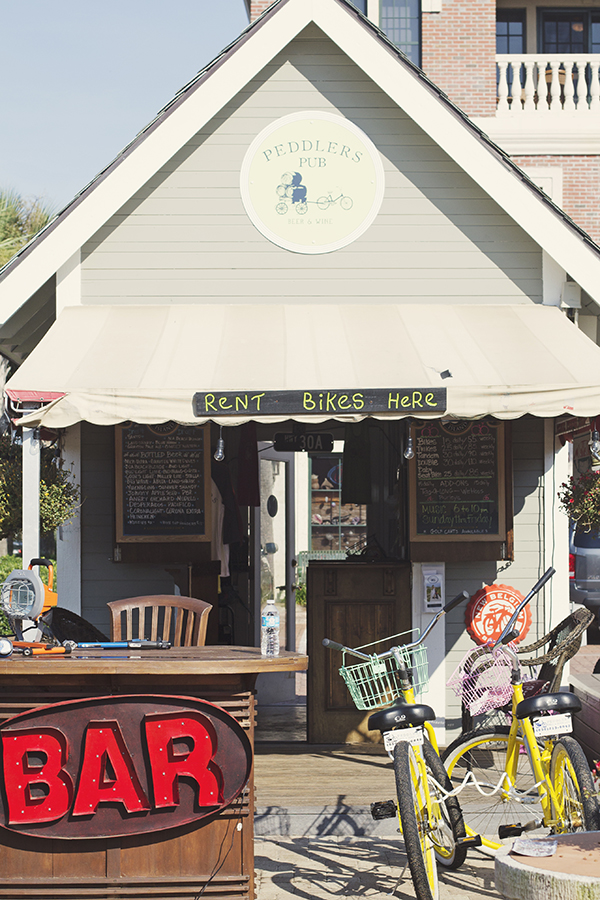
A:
(505, 63)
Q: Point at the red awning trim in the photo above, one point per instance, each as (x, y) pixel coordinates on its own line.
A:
(33, 396)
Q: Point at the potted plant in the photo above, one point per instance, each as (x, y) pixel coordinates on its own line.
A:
(581, 500)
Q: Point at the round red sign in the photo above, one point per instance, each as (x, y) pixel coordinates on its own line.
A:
(490, 608)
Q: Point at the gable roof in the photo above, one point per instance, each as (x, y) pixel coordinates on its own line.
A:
(215, 85)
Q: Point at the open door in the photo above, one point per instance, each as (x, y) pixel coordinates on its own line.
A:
(273, 542)
(273, 548)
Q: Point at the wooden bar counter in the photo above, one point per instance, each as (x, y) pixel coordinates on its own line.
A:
(213, 855)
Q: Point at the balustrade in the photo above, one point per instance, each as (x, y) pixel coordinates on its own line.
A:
(548, 83)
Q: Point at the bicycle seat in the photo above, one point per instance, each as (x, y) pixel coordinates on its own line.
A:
(400, 715)
(561, 702)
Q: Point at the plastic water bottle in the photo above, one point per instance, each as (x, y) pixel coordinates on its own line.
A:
(269, 630)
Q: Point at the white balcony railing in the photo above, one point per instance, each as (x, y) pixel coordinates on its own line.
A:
(548, 83)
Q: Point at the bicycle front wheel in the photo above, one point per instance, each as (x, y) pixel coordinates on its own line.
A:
(414, 805)
(447, 823)
(489, 800)
(572, 781)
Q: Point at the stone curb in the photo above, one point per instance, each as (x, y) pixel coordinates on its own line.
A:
(516, 880)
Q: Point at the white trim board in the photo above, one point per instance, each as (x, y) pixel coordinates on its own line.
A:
(224, 80)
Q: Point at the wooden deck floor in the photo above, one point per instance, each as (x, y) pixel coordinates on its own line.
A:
(297, 775)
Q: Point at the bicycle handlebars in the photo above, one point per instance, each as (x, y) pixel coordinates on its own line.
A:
(455, 601)
(333, 645)
(508, 628)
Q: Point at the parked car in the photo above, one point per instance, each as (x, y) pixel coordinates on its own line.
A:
(584, 568)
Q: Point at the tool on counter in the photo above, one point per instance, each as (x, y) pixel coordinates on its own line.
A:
(30, 648)
(45, 650)
(118, 645)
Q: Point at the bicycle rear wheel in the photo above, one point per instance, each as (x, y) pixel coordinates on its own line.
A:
(572, 781)
(414, 805)
(447, 819)
(485, 801)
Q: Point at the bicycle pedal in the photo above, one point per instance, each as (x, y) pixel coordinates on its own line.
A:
(505, 831)
(474, 841)
(385, 809)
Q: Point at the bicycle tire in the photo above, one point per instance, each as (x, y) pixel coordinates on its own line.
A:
(323, 202)
(483, 753)
(573, 783)
(450, 824)
(411, 790)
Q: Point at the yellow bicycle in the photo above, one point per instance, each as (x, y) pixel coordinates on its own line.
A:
(430, 817)
(517, 778)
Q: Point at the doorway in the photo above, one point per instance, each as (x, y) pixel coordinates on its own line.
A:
(281, 696)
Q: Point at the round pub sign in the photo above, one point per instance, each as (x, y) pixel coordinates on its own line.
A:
(312, 182)
(489, 611)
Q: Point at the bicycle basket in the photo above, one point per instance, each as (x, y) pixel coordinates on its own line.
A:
(482, 680)
(376, 682)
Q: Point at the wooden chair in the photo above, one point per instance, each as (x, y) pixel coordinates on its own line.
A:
(563, 642)
(160, 617)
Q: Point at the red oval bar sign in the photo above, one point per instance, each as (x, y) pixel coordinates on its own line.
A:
(115, 766)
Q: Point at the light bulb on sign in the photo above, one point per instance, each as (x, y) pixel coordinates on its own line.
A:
(410, 450)
(219, 453)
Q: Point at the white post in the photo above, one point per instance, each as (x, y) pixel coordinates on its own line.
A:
(551, 87)
(503, 106)
(528, 90)
(556, 529)
(569, 88)
(68, 545)
(373, 11)
(31, 495)
(594, 86)
(436, 651)
(582, 91)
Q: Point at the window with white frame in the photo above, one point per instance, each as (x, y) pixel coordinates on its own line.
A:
(401, 21)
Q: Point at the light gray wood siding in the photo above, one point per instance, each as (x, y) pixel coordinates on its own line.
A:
(186, 237)
(102, 579)
(528, 469)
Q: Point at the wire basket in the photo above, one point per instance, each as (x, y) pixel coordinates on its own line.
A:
(376, 682)
(482, 680)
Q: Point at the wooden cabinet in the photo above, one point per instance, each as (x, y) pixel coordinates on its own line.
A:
(213, 854)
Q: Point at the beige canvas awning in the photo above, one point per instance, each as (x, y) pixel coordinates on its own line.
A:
(108, 364)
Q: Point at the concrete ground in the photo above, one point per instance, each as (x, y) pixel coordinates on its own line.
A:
(314, 835)
(356, 867)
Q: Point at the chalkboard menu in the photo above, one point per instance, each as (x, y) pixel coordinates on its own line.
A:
(162, 482)
(457, 481)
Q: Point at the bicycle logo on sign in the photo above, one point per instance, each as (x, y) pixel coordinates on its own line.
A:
(292, 192)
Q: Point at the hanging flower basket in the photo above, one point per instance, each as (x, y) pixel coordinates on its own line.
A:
(581, 500)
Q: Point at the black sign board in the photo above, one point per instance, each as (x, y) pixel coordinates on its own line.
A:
(311, 441)
(457, 481)
(319, 402)
(162, 482)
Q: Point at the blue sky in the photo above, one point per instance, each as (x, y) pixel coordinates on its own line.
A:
(81, 78)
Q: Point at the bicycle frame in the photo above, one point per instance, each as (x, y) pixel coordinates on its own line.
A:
(538, 759)
(409, 697)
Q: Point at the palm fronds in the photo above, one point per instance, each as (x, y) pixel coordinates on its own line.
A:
(20, 220)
